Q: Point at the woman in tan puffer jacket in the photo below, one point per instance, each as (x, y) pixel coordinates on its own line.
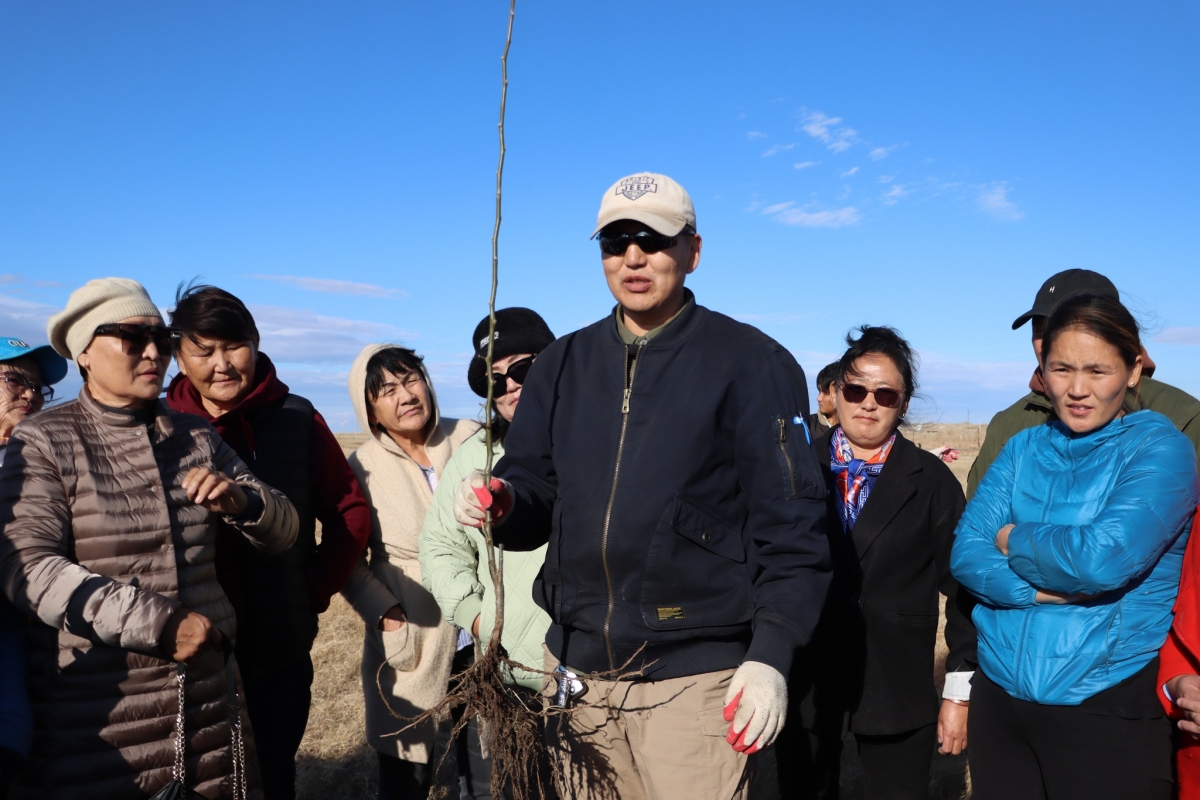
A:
(108, 507)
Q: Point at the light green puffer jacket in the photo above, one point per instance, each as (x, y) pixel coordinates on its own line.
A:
(454, 568)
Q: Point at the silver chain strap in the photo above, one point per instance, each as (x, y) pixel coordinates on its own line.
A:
(239, 752)
(237, 745)
(179, 771)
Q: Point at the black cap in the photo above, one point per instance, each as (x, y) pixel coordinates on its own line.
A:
(1067, 284)
(518, 330)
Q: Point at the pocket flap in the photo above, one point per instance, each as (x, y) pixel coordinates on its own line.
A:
(702, 528)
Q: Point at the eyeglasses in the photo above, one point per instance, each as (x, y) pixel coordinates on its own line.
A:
(140, 335)
(518, 371)
(888, 398)
(17, 383)
(647, 242)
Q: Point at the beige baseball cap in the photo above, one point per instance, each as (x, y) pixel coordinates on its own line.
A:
(649, 198)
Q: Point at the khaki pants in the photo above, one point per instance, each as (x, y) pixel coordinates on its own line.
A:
(648, 740)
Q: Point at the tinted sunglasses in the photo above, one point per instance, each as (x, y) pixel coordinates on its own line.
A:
(518, 371)
(17, 383)
(647, 242)
(888, 398)
(139, 336)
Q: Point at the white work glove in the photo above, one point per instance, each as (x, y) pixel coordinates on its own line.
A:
(756, 706)
(476, 496)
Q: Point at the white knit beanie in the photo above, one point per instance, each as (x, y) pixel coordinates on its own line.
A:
(98, 302)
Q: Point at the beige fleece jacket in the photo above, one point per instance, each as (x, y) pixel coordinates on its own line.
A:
(411, 665)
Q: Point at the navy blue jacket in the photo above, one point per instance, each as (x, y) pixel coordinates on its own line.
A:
(682, 504)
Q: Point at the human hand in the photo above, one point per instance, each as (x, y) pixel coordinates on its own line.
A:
(187, 633)
(755, 706)
(215, 491)
(1185, 691)
(393, 619)
(1002, 538)
(945, 453)
(475, 498)
(952, 728)
(475, 626)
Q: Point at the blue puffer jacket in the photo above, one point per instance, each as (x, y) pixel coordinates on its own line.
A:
(1105, 513)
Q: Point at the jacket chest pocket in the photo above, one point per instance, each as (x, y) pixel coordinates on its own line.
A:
(696, 572)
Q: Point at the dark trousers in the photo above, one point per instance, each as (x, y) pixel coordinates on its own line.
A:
(278, 702)
(893, 767)
(466, 769)
(896, 767)
(1042, 752)
(403, 780)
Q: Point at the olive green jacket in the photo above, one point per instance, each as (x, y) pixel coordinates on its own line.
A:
(1034, 408)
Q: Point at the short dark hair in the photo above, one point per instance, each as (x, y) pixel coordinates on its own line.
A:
(883, 341)
(1101, 316)
(202, 310)
(826, 377)
(395, 359)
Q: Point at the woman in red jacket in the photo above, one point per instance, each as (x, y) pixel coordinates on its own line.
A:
(226, 380)
(1178, 678)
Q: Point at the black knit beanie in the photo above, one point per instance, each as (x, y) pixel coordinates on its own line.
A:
(518, 330)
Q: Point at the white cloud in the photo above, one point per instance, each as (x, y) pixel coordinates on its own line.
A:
(1185, 336)
(297, 336)
(894, 194)
(775, 209)
(24, 319)
(994, 201)
(752, 135)
(880, 153)
(332, 286)
(826, 130)
(849, 172)
(807, 164)
(777, 148)
(835, 218)
(886, 178)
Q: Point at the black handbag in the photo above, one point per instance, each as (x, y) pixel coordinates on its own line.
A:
(176, 788)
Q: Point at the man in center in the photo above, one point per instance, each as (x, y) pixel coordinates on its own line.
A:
(664, 454)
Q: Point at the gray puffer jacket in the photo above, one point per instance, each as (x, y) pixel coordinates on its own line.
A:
(99, 541)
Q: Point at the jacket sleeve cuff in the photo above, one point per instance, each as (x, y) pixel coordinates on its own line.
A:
(772, 645)
(470, 608)
(958, 686)
(368, 596)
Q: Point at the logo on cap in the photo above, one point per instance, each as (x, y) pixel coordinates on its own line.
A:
(16, 343)
(635, 187)
(483, 342)
(1051, 290)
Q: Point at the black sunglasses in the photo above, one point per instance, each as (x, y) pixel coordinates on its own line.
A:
(647, 242)
(17, 383)
(888, 398)
(518, 371)
(140, 335)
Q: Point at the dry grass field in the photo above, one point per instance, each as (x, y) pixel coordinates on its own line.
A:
(335, 762)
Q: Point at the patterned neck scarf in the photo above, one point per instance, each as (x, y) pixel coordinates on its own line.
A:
(854, 476)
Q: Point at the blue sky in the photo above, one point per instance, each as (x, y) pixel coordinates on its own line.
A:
(924, 165)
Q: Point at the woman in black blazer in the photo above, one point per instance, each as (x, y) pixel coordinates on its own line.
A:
(892, 510)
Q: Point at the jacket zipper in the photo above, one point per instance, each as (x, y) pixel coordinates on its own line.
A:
(786, 458)
(630, 371)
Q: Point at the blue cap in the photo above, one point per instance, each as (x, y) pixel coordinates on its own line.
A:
(53, 366)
